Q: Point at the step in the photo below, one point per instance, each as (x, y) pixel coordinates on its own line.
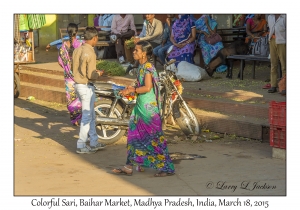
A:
(244, 126)
(228, 107)
(56, 77)
(203, 100)
(231, 112)
(43, 92)
(42, 78)
(44, 68)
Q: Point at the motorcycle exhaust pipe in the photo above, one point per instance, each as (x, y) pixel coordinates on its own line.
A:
(111, 121)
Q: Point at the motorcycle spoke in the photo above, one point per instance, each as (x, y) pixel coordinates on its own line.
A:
(104, 132)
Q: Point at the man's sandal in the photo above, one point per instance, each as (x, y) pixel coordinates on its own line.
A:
(163, 174)
(120, 171)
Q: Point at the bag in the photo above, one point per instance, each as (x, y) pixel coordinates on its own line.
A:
(189, 72)
(282, 84)
(213, 39)
(261, 47)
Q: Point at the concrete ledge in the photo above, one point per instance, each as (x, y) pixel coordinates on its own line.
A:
(230, 125)
(279, 153)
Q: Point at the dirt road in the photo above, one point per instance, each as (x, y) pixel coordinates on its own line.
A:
(46, 162)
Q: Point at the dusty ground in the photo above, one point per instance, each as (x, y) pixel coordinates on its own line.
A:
(45, 162)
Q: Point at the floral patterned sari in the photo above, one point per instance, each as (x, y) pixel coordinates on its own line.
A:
(208, 51)
(182, 31)
(146, 144)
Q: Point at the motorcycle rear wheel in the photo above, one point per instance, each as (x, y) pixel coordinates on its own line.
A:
(108, 134)
(188, 125)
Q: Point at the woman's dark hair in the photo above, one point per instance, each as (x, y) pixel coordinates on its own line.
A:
(146, 47)
(90, 32)
(72, 30)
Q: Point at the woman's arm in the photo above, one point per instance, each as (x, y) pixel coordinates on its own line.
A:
(264, 30)
(143, 89)
(211, 31)
(148, 85)
(248, 31)
(173, 41)
(193, 37)
(202, 32)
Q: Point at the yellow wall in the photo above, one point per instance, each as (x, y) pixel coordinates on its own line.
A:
(91, 19)
(48, 32)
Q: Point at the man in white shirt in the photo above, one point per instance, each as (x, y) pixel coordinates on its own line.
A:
(277, 42)
(120, 27)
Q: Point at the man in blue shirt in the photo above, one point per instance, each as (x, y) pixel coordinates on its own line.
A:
(160, 51)
(106, 20)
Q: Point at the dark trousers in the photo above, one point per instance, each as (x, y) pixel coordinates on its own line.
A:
(120, 42)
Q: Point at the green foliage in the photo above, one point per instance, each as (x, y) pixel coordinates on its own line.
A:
(111, 68)
(130, 43)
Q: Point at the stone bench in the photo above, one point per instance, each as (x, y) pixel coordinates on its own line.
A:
(253, 58)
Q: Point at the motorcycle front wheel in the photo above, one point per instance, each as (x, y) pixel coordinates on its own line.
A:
(108, 134)
(188, 124)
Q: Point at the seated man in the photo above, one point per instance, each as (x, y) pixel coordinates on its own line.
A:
(160, 50)
(120, 27)
(105, 52)
(152, 31)
(105, 20)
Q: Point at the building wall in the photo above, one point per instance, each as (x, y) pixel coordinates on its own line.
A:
(223, 20)
(48, 32)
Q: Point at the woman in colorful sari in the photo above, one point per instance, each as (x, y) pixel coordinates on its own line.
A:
(183, 38)
(207, 26)
(64, 60)
(146, 144)
(255, 27)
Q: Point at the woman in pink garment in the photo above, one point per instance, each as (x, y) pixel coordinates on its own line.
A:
(64, 60)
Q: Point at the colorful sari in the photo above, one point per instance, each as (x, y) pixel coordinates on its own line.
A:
(208, 51)
(146, 144)
(73, 103)
(256, 28)
(182, 31)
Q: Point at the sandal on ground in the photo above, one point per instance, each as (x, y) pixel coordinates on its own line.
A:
(267, 86)
(163, 174)
(121, 171)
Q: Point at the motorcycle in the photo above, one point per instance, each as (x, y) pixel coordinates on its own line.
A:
(113, 111)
